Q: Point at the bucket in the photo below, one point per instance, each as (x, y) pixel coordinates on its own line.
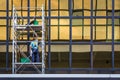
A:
(36, 22)
(24, 60)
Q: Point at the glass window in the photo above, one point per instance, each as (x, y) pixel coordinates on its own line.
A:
(87, 13)
(2, 4)
(102, 56)
(64, 22)
(98, 31)
(81, 56)
(64, 32)
(99, 6)
(117, 33)
(54, 32)
(3, 22)
(100, 13)
(86, 32)
(2, 14)
(77, 4)
(54, 21)
(59, 56)
(3, 33)
(77, 22)
(54, 13)
(64, 13)
(117, 4)
(117, 55)
(54, 4)
(109, 4)
(77, 32)
(87, 4)
(78, 13)
(100, 21)
(63, 4)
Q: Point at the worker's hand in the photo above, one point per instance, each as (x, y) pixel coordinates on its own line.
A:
(31, 53)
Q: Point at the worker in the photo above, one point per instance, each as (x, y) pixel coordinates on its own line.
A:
(34, 49)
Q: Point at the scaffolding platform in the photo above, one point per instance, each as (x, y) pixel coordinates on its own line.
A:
(29, 27)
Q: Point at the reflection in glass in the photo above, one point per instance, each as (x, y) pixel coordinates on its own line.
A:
(59, 56)
(102, 56)
(81, 56)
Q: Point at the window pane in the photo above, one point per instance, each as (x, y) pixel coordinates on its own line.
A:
(109, 33)
(98, 31)
(63, 4)
(64, 32)
(77, 4)
(86, 21)
(117, 55)
(54, 21)
(81, 56)
(99, 6)
(109, 4)
(77, 22)
(102, 56)
(54, 13)
(3, 33)
(87, 4)
(3, 14)
(78, 13)
(59, 56)
(117, 4)
(100, 13)
(64, 22)
(117, 33)
(2, 4)
(77, 32)
(54, 32)
(87, 13)
(3, 22)
(54, 4)
(64, 13)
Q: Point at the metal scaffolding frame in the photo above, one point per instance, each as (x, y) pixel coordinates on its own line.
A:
(17, 67)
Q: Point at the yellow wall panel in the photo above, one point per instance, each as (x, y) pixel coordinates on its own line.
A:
(117, 4)
(77, 32)
(101, 32)
(64, 33)
(87, 32)
(54, 33)
(2, 4)
(2, 33)
(117, 32)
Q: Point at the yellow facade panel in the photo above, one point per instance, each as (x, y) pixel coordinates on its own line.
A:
(2, 33)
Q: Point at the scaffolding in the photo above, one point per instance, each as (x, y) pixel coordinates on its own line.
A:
(17, 50)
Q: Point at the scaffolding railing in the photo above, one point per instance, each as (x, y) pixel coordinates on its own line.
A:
(17, 66)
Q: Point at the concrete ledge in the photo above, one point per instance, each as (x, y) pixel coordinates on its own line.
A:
(59, 75)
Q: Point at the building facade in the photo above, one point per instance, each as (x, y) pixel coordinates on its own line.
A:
(81, 35)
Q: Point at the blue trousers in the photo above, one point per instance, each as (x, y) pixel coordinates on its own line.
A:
(35, 57)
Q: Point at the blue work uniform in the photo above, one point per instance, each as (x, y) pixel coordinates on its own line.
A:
(35, 54)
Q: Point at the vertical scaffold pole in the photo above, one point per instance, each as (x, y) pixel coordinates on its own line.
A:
(13, 67)
(43, 41)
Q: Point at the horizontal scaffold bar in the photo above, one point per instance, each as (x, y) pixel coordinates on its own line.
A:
(25, 41)
(28, 27)
(36, 63)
